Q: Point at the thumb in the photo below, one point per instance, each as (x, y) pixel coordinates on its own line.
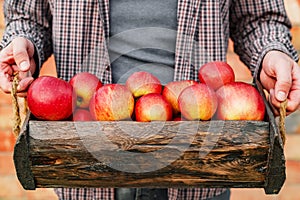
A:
(21, 48)
(283, 84)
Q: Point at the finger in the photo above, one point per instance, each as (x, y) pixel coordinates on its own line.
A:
(23, 75)
(267, 81)
(294, 95)
(20, 53)
(6, 70)
(24, 84)
(293, 101)
(6, 87)
(9, 59)
(284, 81)
(6, 55)
(22, 94)
(274, 109)
(32, 66)
(292, 105)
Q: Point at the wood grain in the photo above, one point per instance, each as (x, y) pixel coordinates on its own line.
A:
(226, 154)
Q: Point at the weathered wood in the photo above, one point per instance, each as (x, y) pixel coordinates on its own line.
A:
(276, 175)
(178, 154)
(22, 160)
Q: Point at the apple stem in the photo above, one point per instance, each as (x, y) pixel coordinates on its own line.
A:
(79, 100)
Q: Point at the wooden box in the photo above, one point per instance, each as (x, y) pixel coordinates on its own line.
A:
(243, 154)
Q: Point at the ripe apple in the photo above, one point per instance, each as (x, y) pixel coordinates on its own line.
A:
(178, 118)
(153, 107)
(216, 74)
(112, 102)
(82, 115)
(198, 102)
(51, 98)
(85, 85)
(142, 83)
(173, 89)
(239, 101)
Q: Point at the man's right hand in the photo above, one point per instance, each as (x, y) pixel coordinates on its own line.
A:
(17, 57)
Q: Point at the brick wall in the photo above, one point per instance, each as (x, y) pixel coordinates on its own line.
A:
(7, 139)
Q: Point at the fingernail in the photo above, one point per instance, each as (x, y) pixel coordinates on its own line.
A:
(24, 65)
(281, 96)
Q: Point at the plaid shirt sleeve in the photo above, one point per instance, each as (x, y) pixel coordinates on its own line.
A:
(258, 27)
(30, 19)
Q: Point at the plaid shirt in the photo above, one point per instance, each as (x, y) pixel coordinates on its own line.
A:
(77, 33)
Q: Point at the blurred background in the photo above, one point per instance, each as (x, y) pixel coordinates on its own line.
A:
(10, 188)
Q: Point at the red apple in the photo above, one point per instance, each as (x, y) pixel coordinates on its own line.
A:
(112, 102)
(240, 101)
(142, 83)
(198, 102)
(51, 98)
(153, 107)
(216, 74)
(82, 115)
(173, 89)
(85, 85)
(178, 118)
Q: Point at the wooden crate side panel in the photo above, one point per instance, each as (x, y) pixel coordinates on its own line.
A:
(22, 159)
(276, 160)
(224, 154)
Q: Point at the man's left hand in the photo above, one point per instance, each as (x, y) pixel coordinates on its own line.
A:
(280, 76)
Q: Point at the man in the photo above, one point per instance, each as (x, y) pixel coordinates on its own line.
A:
(114, 38)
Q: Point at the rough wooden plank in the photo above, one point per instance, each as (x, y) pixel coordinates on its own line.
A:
(276, 175)
(134, 154)
(22, 159)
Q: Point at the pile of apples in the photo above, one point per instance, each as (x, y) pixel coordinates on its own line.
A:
(143, 98)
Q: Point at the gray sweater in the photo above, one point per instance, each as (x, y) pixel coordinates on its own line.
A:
(142, 37)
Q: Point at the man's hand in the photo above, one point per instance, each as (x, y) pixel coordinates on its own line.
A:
(280, 75)
(17, 57)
